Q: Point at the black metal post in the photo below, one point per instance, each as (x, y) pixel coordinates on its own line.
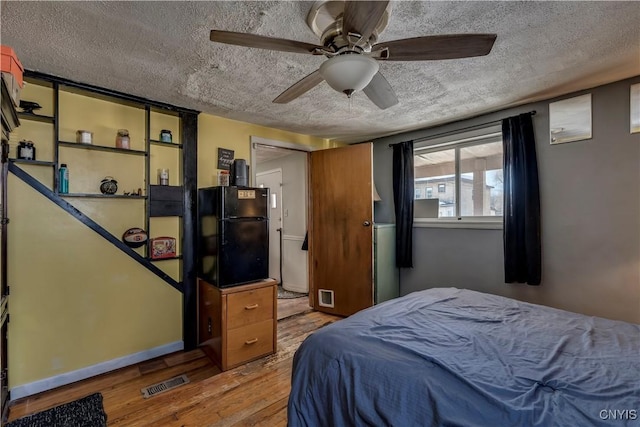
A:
(189, 139)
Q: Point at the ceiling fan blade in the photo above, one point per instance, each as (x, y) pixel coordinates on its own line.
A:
(262, 42)
(300, 88)
(380, 92)
(362, 17)
(448, 46)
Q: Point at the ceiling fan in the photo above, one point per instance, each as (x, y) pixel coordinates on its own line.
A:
(348, 31)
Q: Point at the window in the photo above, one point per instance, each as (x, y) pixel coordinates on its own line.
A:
(467, 170)
(481, 180)
(418, 193)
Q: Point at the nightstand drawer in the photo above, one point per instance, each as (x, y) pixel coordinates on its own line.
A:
(249, 342)
(244, 308)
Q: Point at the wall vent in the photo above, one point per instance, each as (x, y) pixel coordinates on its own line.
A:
(325, 298)
(166, 385)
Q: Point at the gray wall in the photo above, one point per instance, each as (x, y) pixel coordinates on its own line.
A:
(590, 201)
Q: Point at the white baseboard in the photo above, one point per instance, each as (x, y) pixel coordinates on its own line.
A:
(91, 371)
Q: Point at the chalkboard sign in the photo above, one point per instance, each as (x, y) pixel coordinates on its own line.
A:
(225, 158)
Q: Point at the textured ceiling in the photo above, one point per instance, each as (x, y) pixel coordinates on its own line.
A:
(161, 51)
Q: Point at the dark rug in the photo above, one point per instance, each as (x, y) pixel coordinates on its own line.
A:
(85, 412)
(284, 294)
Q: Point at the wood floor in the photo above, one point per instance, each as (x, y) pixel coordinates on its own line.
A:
(292, 306)
(254, 394)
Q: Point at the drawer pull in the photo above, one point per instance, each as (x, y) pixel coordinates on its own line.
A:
(250, 307)
(253, 341)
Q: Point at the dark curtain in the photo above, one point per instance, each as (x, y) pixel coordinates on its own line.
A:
(522, 249)
(403, 196)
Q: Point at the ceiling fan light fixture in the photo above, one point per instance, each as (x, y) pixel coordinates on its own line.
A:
(349, 73)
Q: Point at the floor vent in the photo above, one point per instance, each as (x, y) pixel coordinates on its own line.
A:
(152, 390)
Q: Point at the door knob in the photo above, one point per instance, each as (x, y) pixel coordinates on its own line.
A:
(366, 223)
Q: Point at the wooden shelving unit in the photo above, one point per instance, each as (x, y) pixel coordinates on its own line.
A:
(183, 124)
(101, 148)
(32, 162)
(36, 117)
(102, 196)
(165, 259)
(164, 144)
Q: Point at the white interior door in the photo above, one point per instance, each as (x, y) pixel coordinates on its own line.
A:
(272, 180)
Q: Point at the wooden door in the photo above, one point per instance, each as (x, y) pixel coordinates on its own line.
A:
(341, 232)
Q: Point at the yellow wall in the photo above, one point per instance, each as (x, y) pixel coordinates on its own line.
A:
(76, 300)
(217, 132)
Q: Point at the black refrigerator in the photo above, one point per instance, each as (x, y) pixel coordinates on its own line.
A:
(233, 231)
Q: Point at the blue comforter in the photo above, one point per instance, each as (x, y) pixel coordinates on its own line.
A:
(451, 357)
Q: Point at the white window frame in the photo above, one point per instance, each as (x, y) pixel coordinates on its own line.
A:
(458, 141)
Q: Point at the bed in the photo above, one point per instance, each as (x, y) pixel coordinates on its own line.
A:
(453, 357)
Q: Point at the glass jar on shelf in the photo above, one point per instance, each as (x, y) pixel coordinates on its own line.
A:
(165, 136)
(122, 139)
(163, 176)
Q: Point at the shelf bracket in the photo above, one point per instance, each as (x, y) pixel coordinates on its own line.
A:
(73, 211)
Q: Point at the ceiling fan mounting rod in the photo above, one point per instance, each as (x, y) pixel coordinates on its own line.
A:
(350, 50)
(341, 51)
(355, 39)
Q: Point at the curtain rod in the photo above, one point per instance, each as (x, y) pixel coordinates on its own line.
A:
(451, 132)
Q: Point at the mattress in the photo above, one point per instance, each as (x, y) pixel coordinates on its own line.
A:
(453, 357)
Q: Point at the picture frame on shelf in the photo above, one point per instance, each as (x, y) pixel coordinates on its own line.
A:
(162, 247)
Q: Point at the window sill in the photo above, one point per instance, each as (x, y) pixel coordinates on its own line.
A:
(479, 224)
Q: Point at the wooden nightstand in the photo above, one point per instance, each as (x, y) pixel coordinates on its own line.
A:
(237, 324)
